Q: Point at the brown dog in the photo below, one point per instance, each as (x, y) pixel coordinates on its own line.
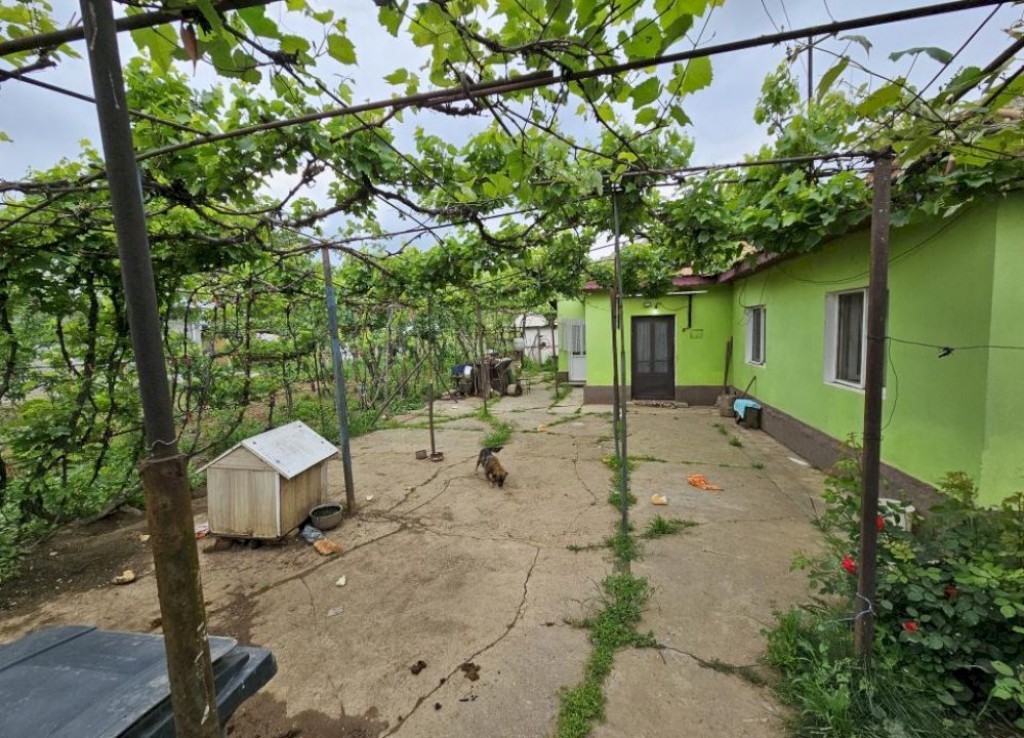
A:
(493, 469)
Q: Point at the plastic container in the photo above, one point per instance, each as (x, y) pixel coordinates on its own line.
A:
(326, 516)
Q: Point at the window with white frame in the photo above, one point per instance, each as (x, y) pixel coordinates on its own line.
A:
(755, 334)
(845, 337)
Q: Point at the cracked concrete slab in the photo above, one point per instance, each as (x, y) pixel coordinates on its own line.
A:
(666, 694)
(442, 567)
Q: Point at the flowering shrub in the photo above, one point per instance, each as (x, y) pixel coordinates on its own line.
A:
(950, 598)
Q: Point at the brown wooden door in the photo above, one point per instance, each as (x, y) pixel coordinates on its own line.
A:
(654, 369)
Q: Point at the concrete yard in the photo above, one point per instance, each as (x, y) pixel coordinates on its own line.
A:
(443, 568)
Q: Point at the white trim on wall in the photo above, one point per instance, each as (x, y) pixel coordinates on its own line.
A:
(754, 317)
(834, 373)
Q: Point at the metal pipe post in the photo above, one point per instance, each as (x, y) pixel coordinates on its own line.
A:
(340, 395)
(616, 399)
(874, 378)
(164, 473)
(620, 313)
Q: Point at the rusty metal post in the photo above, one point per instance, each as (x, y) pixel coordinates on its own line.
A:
(874, 379)
(164, 475)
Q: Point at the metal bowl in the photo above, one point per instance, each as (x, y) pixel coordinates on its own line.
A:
(437, 456)
(326, 516)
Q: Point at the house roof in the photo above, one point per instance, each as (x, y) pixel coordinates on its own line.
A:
(289, 450)
(692, 280)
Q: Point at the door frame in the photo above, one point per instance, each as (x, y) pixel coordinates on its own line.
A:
(577, 363)
(669, 389)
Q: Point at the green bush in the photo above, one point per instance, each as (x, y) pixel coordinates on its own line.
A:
(950, 597)
(834, 694)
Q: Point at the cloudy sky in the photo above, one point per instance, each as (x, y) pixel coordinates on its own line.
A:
(46, 127)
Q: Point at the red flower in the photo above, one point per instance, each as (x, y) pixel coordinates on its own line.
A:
(910, 626)
(850, 565)
(880, 522)
(951, 591)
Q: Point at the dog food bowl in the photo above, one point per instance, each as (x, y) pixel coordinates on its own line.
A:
(421, 454)
(437, 456)
(326, 516)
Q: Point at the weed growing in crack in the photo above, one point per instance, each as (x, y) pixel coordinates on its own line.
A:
(499, 436)
(501, 432)
(659, 526)
(614, 626)
(734, 441)
(615, 501)
(623, 598)
(563, 391)
(647, 457)
(614, 462)
(758, 465)
(721, 429)
(745, 672)
(624, 546)
(560, 421)
(577, 548)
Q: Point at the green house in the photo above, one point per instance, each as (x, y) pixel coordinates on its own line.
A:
(955, 350)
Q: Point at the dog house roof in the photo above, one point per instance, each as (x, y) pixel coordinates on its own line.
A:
(289, 450)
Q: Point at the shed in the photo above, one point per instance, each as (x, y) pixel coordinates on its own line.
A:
(265, 486)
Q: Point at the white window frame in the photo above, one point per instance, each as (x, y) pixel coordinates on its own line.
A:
(749, 314)
(832, 300)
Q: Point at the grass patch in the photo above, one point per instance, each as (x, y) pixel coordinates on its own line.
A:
(624, 546)
(614, 462)
(734, 441)
(499, 436)
(834, 694)
(613, 498)
(647, 457)
(758, 465)
(623, 598)
(603, 439)
(721, 429)
(501, 430)
(659, 526)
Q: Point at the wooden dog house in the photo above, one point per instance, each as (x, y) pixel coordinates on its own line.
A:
(265, 486)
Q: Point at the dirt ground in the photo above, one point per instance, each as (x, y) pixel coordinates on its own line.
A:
(479, 584)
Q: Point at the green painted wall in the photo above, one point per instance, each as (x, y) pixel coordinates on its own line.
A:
(934, 413)
(699, 349)
(567, 309)
(1002, 465)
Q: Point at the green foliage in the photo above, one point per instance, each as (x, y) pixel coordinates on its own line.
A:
(646, 270)
(735, 441)
(659, 526)
(832, 693)
(950, 597)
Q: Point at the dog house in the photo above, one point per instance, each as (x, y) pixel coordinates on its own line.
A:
(264, 486)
